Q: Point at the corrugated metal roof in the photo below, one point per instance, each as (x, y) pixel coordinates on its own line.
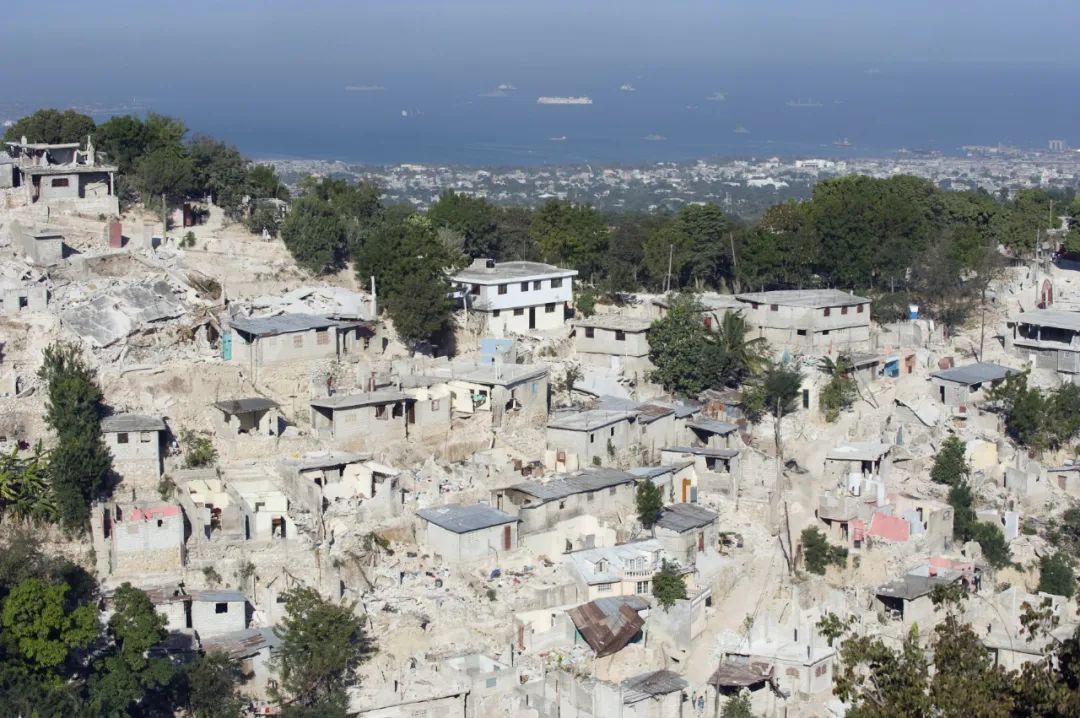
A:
(1054, 318)
(131, 422)
(244, 406)
(971, 374)
(683, 517)
(582, 482)
(733, 675)
(352, 401)
(463, 519)
(219, 596)
(241, 644)
(702, 451)
(712, 426)
(281, 324)
(608, 624)
(648, 685)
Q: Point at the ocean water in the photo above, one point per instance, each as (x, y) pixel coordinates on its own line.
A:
(457, 119)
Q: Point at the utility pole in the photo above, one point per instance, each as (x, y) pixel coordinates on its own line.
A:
(164, 219)
(734, 262)
(671, 253)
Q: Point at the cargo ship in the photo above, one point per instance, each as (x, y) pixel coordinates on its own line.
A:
(564, 100)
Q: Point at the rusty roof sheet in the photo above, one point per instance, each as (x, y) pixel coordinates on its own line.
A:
(240, 644)
(734, 675)
(649, 685)
(608, 624)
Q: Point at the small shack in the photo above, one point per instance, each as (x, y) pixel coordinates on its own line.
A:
(134, 440)
(962, 385)
(248, 416)
(469, 533)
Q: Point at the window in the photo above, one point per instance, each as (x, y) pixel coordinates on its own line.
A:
(613, 431)
(828, 311)
(859, 310)
(122, 438)
(556, 283)
(825, 333)
(620, 335)
(524, 286)
(534, 387)
(611, 491)
(843, 311)
(502, 289)
(774, 307)
(754, 305)
(590, 497)
(592, 438)
(603, 588)
(518, 312)
(642, 587)
(144, 437)
(59, 182)
(380, 412)
(562, 504)
(367, 342)
(495, 313)
(298, 340)
(589, 332)
(474, 289)
(537, 284)
(550, 308)
(491, 682)
(322, 336)
(434, 404)
(221, 608)
(801, 332)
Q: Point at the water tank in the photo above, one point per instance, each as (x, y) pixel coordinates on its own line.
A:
(913, 311)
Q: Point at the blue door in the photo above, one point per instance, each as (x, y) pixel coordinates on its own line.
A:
(226, 345)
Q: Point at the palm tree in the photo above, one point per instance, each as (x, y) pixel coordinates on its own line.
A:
(24, 486)
(739, 356)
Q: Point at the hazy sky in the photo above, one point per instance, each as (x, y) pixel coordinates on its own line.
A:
(131, 37)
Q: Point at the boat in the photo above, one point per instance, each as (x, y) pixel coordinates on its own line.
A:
(627, 87)
(506, 87)
(740, 130)
(803, 103)
(654, 138)
(716, 97)
(563, 100)
(560, 138)
(842, 143)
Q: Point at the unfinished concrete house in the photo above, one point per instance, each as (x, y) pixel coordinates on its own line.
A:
(319, 480)
(138, 539)
(715, 471)
(564, 514)
(18, 296)
(268, 341)
(623, 570)
(252, 650)
(731, 679)
(368, 420)
(42, 249)
(212, 512)
(809, 321)
(135, 442)
(1049, 339)
(265, 510)
(907, 599)
(963, 385)
(685, 530)
(255, 416)
(508, 393)
(516, 297)
(475, 532)
(216, 613)
(614, 341)
(709, 433)
(63, 176)
(594, 437)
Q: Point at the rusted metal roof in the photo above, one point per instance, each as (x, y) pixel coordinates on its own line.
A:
(733, 675)
(241, 644)
(649, 685)
(608, 624)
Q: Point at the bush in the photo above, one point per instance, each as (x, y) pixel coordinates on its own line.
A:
(950, 466)
(668, 585)
(1056, 575)
(818, 554)
(650, 503)
(199, 451)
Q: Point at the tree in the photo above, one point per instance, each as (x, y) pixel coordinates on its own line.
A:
(199, 451)
(668, 585)
(1056, 575)
(650, 503)
(25, 490)
(950, 464)
(322, 645)
(165, 171)
(707, 229)
(263, 183)
(314, 234)
(681, 349)
(211, 687)
(818, 554)
(219, 170)
(840, 392)
(51, 127)
(568, 234)
(738, 356)
(42, 627)
(738, 706)
(122, 139)
(472, 217)
(571, 375)
(79, 464)
(967, 527)
(776, 393)
(668, 249)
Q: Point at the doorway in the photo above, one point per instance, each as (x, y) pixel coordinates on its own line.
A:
(532, 317)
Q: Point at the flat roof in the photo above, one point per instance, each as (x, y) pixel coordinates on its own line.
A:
(353, 401)
(67, 169)
(497, 374)
(1054, 318)
(245, 406)
(504, 272)
(813, 298)
(219, 596)
(683, 517)
(280, 324)
(702, 451)
(325, 459)
(709, 301)
(614, 322)
(858, 451)
(582, 482)
(971, 374)
(463, 519)
(590, 419)
(131, 422)
(712, 426)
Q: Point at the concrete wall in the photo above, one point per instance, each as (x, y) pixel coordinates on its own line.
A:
(684, 546)
(606, 342)
(545, 317)
(485, 543)
(363, 426)
(443, 707)
(31, 298)
(580, 532)
(313, 344)
(146, 546)
(589, 445)
(781, 327)
(64, 186)
(515, 297)
(135, 446)
(539, 518)
(208, 622)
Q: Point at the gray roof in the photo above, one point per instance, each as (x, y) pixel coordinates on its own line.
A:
(858, 451)
(1055, 318)
(281, 324)
(325, 459)
(683, 517)
(589, 420)
(241, 644)
(497, 374)
(352, 401)
(971, 374)
(131, 422)
(245, 406)
(579, 483)
(221, 596)
(811, 298)
(709, 301)
(463, 519)
(651, 472)
(649, 685)
(702, 451)
(614, 322)
(912, 586)
(712, 426)
(504, 272)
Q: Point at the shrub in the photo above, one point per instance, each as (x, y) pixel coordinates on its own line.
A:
(818, 553)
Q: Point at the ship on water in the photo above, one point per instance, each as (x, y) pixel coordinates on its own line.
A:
(563, 100)
(842, 143)
(628, 88)
(803, 103)
(740, 130)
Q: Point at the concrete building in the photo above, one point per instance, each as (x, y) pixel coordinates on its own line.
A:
(907, 598)
(63, 176)
(212, 511)
(517, 297)
(320, 480)
(685, 530)
(469, 533)
(595, 437)
(709, 433)
(252, 649)
(623, 570)
(715, 471)
(368, 420)
(218, 613)
(43, 249)
(134, 441)
(1049, 339)
(266, 341)
(138, 539)
(962, 385)
(254, 416)
(265, 510)
(509, 393)
(614, 341)
(17, 297)
(809, 321)
(609, 624)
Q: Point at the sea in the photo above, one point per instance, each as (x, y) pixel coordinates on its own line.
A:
(490, 116)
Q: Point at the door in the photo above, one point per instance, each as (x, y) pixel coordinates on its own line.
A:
(506, 537)
(532, 317)
(226, 345)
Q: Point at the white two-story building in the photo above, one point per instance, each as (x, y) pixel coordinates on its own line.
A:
(517, 297)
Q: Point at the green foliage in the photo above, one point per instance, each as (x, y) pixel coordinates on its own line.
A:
(264, 216)
(681, 349)
(738, 706)
(668, 585)
(833, 627)
(1037, 419)
(818, 554)
(775, 392)
(25, 487)
(219, 170)
(1064, 532)
(737, 355)
(314, 234)
(212, 682)
(199, 451)
(80, 464)
(570, 235)
(262, 182)
(52, 127)
(1056, 575)
(967, 527)
(166, 171)
(571, 375)
(839, 394)
(211, 575)
(472, 217)
(649, 503)
(585, 302)
(322, 644)
(42, 627)
(950, 465)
